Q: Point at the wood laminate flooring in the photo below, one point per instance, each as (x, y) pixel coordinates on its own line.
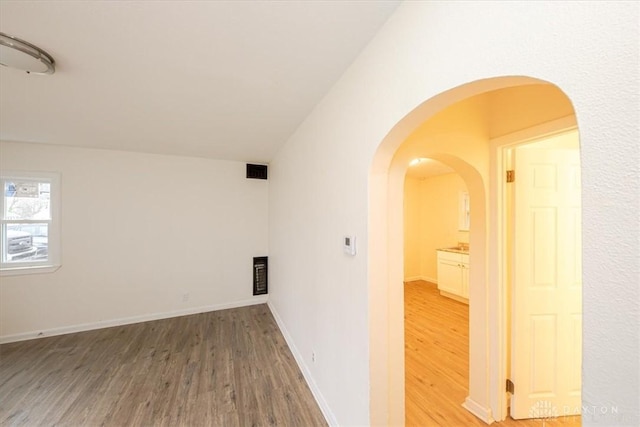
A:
(437, 362)
(223, 368)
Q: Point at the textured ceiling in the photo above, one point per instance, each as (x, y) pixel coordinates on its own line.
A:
(227, 80)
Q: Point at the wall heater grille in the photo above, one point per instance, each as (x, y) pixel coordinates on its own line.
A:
(260, 275)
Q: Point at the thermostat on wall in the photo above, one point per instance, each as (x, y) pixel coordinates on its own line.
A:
(350, 245)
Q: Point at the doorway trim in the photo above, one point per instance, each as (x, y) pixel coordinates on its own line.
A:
(498, 221)
(384, 250)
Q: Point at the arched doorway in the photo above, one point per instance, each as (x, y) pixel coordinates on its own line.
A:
(478, 165)
(435, 287)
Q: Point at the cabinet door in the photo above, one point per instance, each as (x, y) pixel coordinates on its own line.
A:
(465, 280)
(449, 277)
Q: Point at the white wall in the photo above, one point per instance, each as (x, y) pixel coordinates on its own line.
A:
(319, 190)
(413, 228)
(138, 232)
(430, 223)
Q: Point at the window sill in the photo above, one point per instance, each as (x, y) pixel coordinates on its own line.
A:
(19, 271)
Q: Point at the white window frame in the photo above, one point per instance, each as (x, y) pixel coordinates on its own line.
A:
(463, 212)
(53, 261)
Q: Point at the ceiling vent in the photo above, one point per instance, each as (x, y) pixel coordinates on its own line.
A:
(256, 171)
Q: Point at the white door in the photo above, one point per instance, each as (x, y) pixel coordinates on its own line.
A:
(547, 287)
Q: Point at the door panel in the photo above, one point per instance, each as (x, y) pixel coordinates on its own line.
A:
(547, 287)
(543, 374)
(543, 246)
(449, 277)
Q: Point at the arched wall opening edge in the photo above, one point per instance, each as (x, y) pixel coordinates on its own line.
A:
(385, 266)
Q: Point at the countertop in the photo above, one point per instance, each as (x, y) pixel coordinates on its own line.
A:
(455, 249)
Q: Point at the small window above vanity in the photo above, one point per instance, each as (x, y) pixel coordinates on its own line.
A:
(464, 213)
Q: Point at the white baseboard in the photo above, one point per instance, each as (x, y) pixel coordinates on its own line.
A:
(129, 320)
(322, 403)
(425, 278)
(478, 410)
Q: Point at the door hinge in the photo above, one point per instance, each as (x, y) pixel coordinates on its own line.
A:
(510, 386)
(511, 175)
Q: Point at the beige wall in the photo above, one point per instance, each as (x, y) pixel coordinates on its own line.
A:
(431, 223)
(334, 173)
(412, 229)
(439, 216)
(516, 108)
(465, 129)
(138, 232)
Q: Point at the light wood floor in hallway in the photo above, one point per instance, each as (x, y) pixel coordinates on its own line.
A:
(437, 362)
(223, 368)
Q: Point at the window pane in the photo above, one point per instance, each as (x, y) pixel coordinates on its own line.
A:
(27, 200)
(26, 242)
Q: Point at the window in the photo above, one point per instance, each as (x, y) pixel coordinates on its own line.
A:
(29, 223)
(463, 212)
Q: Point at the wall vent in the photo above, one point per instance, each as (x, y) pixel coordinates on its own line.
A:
(256, 171)
(260, 275)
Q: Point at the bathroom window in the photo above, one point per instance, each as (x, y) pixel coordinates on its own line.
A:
(463, 212)
(29, 223)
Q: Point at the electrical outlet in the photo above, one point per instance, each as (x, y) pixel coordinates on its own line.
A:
(185, 297)
(313, 357)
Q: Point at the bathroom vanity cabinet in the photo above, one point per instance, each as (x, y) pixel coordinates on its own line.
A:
(453, 274)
